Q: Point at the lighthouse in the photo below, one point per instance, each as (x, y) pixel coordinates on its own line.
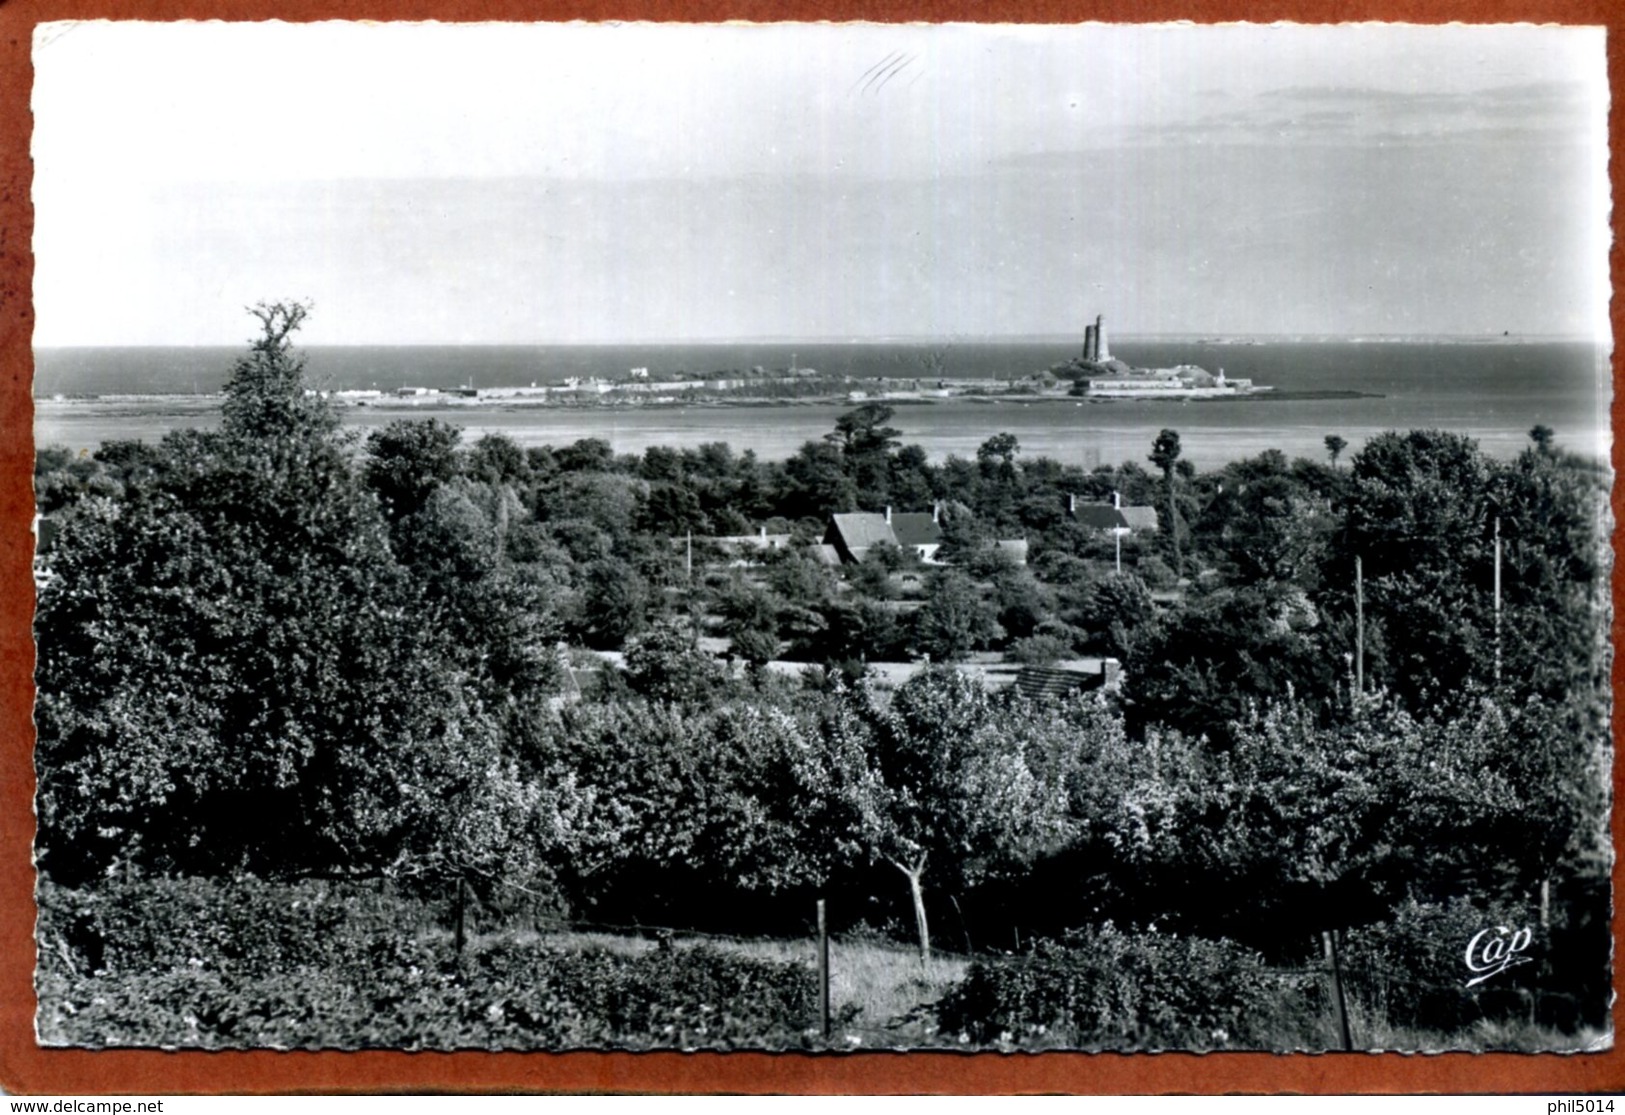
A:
(1102, 353)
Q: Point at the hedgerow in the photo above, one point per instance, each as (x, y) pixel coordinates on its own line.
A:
(307, 976)
(1106, 988)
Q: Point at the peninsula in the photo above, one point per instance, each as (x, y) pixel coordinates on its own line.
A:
(1097, 374)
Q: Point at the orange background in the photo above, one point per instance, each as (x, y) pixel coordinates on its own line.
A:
(25, 1068)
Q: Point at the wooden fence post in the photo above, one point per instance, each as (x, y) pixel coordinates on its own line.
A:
(1337, 986)
(823, 971)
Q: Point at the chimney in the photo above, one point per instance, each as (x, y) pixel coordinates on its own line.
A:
(1111, 675)
(936, 512)
(888, 514)
(1117, 501)
(764, 535)
(1072, 503)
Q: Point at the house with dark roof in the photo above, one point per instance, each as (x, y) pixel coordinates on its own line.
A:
(920, 531)
(1113, 517)
(1096, 516)
(853, 534)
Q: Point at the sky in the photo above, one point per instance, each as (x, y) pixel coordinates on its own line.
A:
(561, 183)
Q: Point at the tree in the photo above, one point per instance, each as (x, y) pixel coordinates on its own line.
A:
(864, 432)
(1542, 437)
(1165, 455)
(1111, 611)
(866, 441)
(498, 459)
(997, 456)
(955, 619)
(495, 613)
(1023, 602)
(1331, 825)
(265, 395)
(407, 460)
(958, 784)
(1334, 447)
(234, 671)
(1417, 516)
(750, 619)
(1267, 526)
(1553, 587)
(62, 478)
(1199, 668)
(816, 483)
(590, 454)
(855, 631)
(677, 802)
(662, 665)
(614, 604)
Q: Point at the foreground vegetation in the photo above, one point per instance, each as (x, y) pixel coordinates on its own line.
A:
(193, 963)
(270, 656)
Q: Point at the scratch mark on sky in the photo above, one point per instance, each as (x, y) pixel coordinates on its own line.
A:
(875, 78)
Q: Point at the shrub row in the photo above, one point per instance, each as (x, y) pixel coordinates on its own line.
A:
(251, 925)
(307, 979)
(1109, 989)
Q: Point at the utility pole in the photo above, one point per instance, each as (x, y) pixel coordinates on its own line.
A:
(693, 614)
(1359, 625)
(1498, 600)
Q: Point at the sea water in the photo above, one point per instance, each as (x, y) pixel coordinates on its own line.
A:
(1493, 392)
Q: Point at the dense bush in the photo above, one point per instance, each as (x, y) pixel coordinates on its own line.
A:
(1412, 969)
(198, 973)
(244, 924)
(1106, 988)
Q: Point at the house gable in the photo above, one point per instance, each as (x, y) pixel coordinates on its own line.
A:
(853, 533)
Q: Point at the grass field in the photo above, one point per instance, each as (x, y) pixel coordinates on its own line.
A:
(876, 989)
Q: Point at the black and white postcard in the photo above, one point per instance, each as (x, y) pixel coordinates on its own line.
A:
(822, 537)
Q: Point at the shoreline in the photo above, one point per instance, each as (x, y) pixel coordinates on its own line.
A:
(190, 403)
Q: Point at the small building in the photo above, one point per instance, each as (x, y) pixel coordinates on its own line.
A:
(853, 534)
(1074, 676)
(1114, 517)
(919, 531)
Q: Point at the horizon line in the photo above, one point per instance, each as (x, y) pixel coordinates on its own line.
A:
(889, 338)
